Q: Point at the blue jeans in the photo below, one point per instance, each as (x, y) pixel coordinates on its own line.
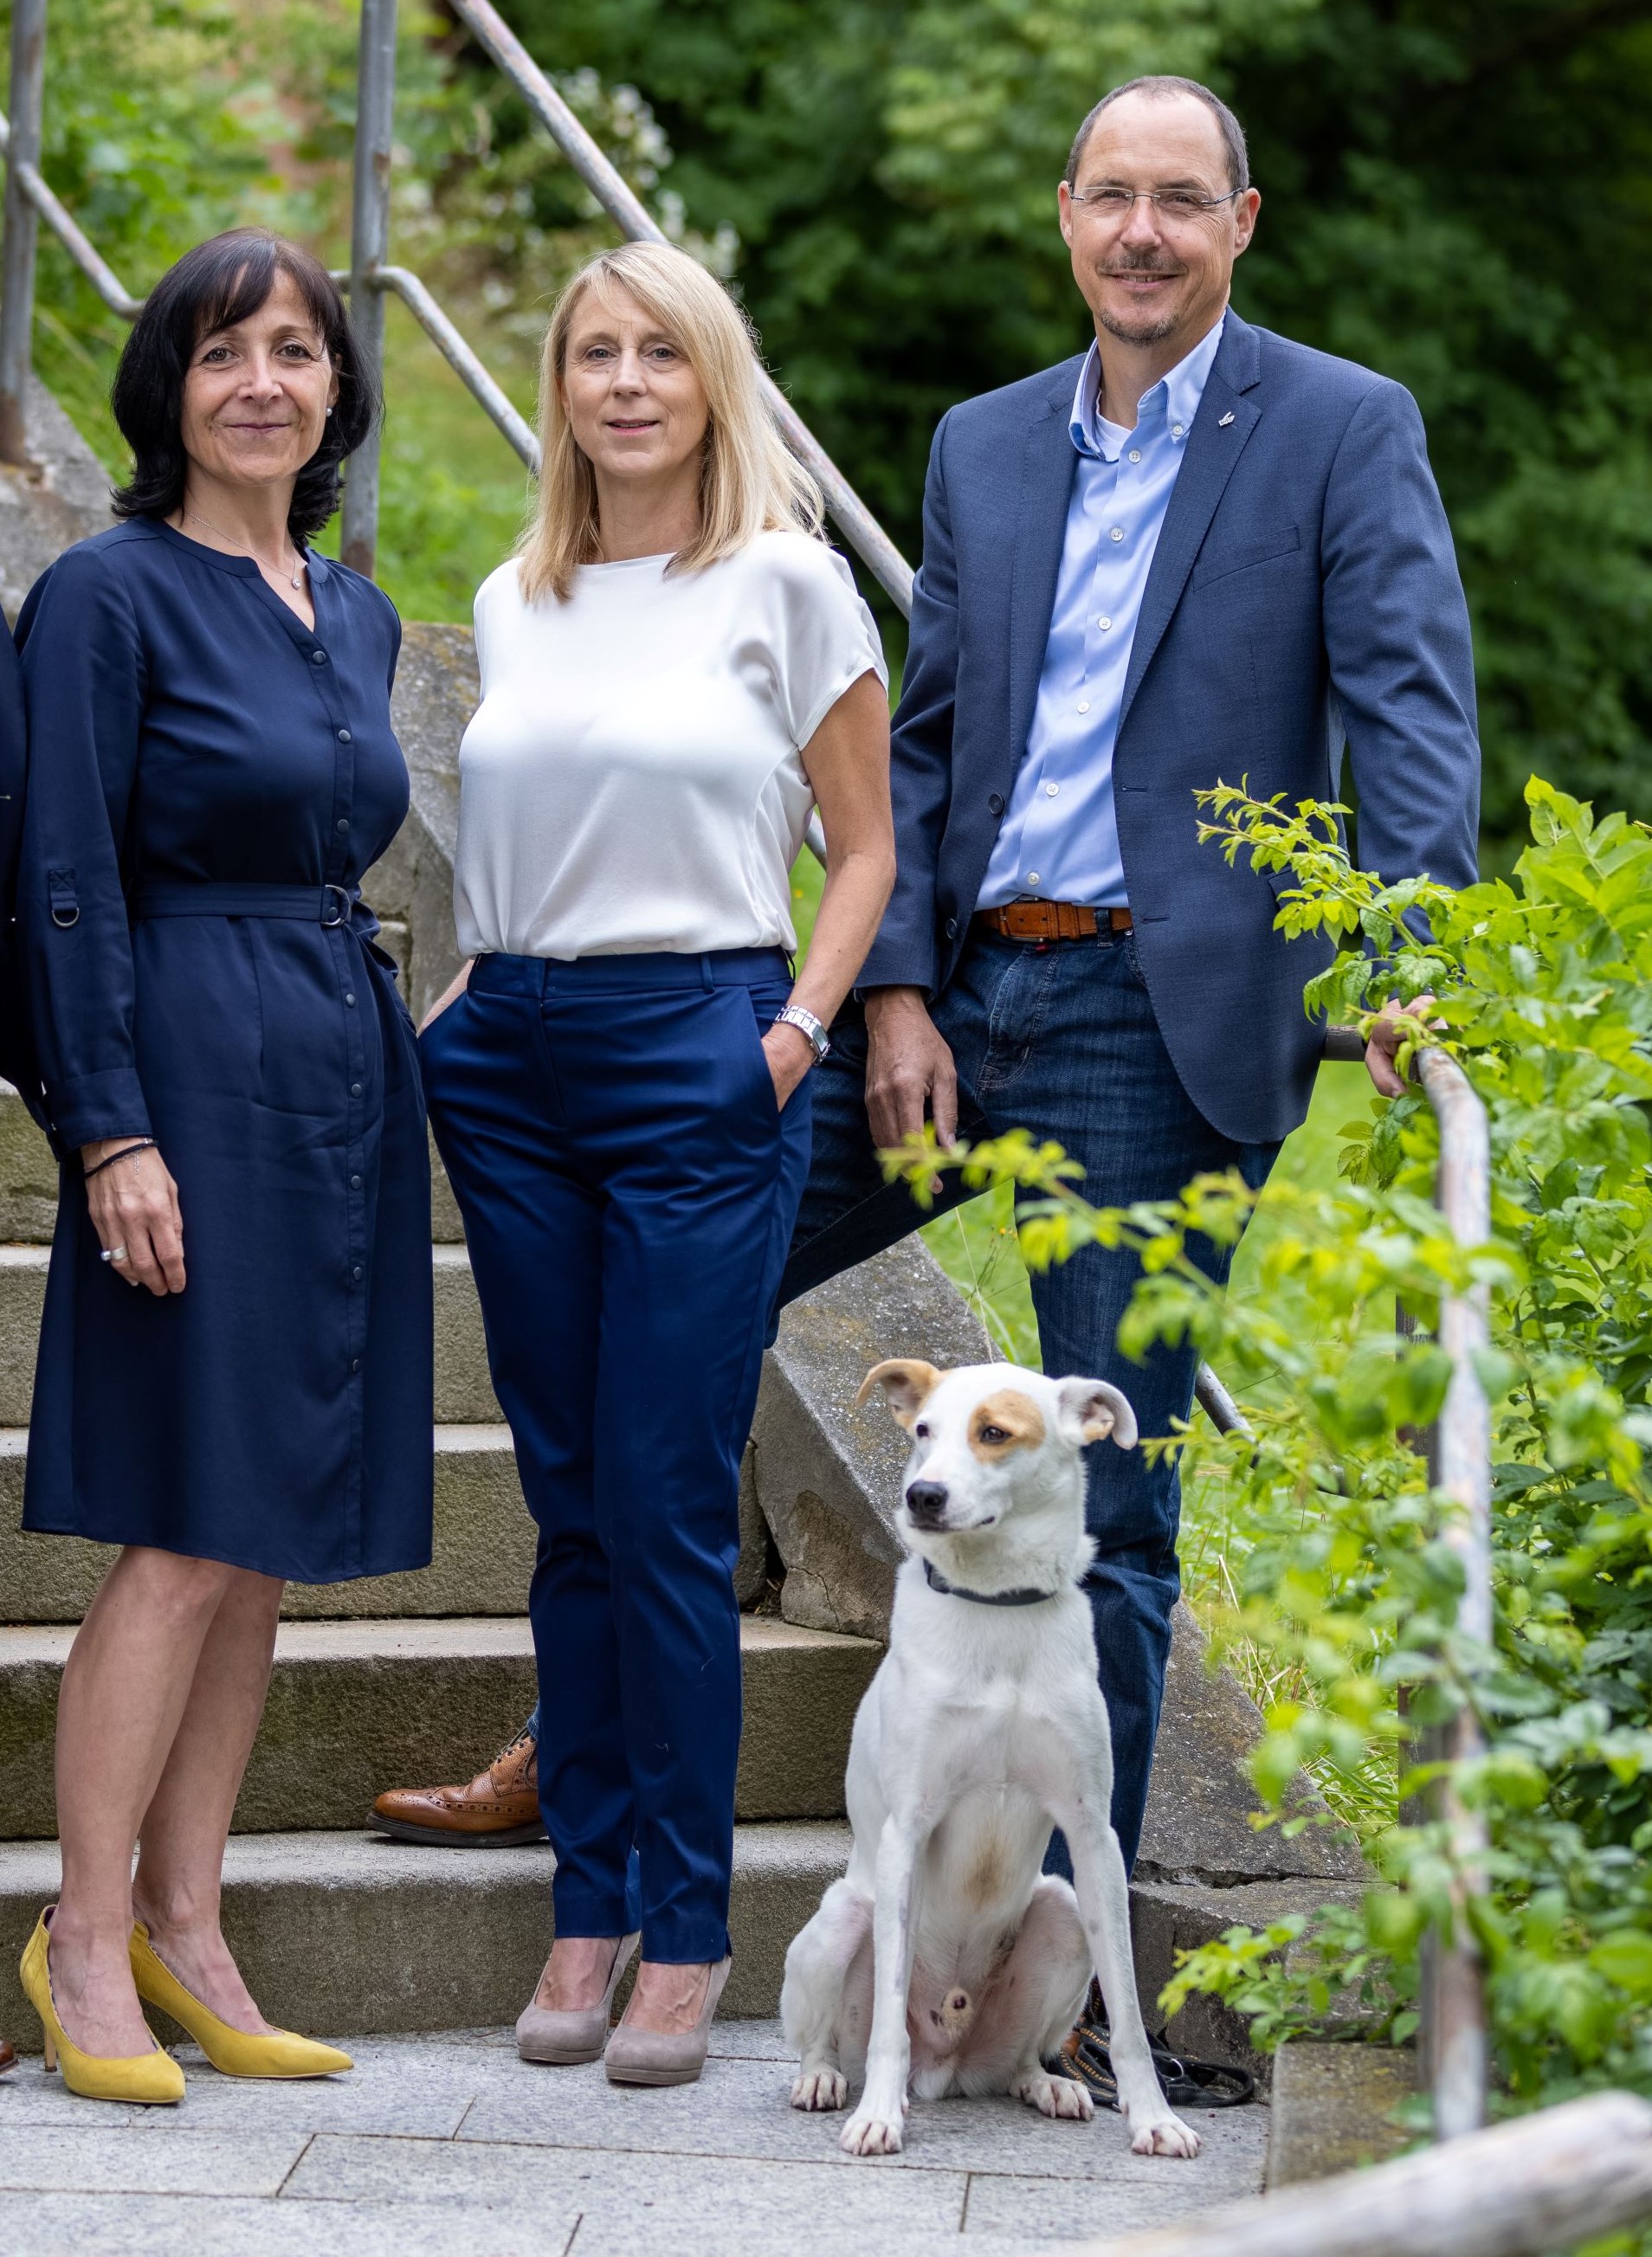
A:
(1059, 1038)
(628, 1187)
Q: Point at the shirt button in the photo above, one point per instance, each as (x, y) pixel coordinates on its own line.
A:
(1103, 625)
(1083, 705)
(350, 996)
(344, 736)
(355, 1183)
(1175, 431)
(1032, 877)
(318, 658)
(1118, 533)
(355, 1089)
(1050, 791)
(1135, 454)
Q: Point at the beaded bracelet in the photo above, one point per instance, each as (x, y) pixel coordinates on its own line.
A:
(144, 1144)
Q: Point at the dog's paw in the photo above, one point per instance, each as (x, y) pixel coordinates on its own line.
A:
(820, 2088)
(1165, 2135)
(1056, 2096)
(866, 2134)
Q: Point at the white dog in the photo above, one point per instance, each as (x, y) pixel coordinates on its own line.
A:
(945, 1960)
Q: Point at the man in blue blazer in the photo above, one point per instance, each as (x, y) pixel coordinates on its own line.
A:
(1197, 552)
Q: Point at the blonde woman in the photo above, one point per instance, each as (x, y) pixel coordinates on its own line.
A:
(675, 668)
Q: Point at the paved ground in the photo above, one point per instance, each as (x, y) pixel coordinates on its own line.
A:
(451, 2144)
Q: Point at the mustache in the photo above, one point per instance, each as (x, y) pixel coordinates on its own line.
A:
(1141, 262)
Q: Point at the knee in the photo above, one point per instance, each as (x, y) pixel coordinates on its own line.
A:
(179, 1590)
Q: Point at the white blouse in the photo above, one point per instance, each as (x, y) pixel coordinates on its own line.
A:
(633, 778)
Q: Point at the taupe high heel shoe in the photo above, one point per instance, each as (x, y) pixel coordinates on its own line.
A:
(564, 2035)
(666, 2056)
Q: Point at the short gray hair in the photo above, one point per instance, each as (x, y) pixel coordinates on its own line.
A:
(1161, 88)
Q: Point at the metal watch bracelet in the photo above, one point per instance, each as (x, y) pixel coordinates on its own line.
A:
(806, 1023)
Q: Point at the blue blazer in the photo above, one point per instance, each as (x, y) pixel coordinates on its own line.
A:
(1304, 593)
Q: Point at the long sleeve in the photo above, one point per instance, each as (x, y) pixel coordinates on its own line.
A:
(921, 751)
(83, 677)
(1401, 657)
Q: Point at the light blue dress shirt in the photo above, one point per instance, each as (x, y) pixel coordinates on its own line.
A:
(1059, 838)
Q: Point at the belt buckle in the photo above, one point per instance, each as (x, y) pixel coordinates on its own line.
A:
(342, 894)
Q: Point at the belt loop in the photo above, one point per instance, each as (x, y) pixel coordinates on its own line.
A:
(707, 980)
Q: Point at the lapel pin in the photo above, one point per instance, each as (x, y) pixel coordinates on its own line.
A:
(1223, 421)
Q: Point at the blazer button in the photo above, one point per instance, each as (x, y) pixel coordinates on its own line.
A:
(951, 928)
(995, 803)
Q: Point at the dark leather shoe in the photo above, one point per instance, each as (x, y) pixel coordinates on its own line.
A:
(499, 1808)
(1186, 2083)
(7, 2058)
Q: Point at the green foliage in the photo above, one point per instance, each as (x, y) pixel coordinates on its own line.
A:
(1345, 1572)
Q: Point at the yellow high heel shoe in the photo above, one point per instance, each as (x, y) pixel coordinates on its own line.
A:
(233, 2053)
(154, 2077)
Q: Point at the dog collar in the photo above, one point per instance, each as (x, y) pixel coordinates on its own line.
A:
(984, 1598)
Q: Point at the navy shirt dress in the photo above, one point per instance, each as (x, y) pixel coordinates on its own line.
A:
(208, 780)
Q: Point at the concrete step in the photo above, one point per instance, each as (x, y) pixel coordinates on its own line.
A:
(355, 1707)
(463, 1392)
(483, 1557)
(339, 1933)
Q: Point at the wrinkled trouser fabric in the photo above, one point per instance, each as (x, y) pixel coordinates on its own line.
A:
(628, 1190)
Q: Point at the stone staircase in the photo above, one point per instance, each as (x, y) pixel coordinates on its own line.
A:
(409, 1679)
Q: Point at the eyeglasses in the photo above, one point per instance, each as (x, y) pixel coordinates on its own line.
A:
(1175, 207)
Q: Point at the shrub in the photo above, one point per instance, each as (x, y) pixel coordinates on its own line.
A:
(1542, 988)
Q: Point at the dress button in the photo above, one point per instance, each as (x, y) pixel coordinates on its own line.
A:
(355, 1183)
(350, 996)
(344, 736)
(356, 1272)
(995, 803)
(355, 1364)
(355, 1089)
(318, 658)
(342, 823)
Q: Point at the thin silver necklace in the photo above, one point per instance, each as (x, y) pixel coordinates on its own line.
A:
(298, 566)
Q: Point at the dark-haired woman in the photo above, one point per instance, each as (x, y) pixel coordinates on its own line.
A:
(234, 1380)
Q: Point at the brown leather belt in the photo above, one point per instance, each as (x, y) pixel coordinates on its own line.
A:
(1051, 920)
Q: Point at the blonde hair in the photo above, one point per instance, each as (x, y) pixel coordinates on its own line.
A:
(749, 484)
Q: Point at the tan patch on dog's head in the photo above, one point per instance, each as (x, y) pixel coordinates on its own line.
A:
(1006, 1421)
(905, 1381)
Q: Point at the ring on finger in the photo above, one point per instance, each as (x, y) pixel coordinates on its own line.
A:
(113, 1254)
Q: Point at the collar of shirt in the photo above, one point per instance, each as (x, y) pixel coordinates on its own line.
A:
(1181, 391)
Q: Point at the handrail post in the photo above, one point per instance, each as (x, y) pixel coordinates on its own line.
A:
(1453, 2033)
(17, 255)
(369, 248)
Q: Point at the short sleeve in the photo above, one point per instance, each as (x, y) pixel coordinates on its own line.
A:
(826, 639)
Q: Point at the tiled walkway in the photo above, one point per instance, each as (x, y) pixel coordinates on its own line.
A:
(452, 2145)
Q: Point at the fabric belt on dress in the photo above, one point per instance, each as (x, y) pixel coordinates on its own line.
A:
(1051, 920)
(327, 905)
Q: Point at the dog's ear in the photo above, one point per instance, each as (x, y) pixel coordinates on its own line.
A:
(904, 1381)
(1091, 1409)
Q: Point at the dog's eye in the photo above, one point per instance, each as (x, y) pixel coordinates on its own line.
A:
(995, 1434)
(921, 1433)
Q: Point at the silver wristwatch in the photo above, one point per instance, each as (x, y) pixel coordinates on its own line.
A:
(795, 1016)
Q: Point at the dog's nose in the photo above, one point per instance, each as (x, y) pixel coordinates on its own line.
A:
(927, 1501)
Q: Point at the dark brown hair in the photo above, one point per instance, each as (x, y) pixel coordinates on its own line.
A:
(212, 287)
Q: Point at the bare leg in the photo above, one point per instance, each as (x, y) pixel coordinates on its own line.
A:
(576, 1973)
(666, 1996)
(177, 1887)
(125, 1690)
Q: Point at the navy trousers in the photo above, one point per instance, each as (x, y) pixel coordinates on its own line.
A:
(1058, 1038)
(628, 1187)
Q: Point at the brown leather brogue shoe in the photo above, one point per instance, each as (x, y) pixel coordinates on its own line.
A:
(499, 1808)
